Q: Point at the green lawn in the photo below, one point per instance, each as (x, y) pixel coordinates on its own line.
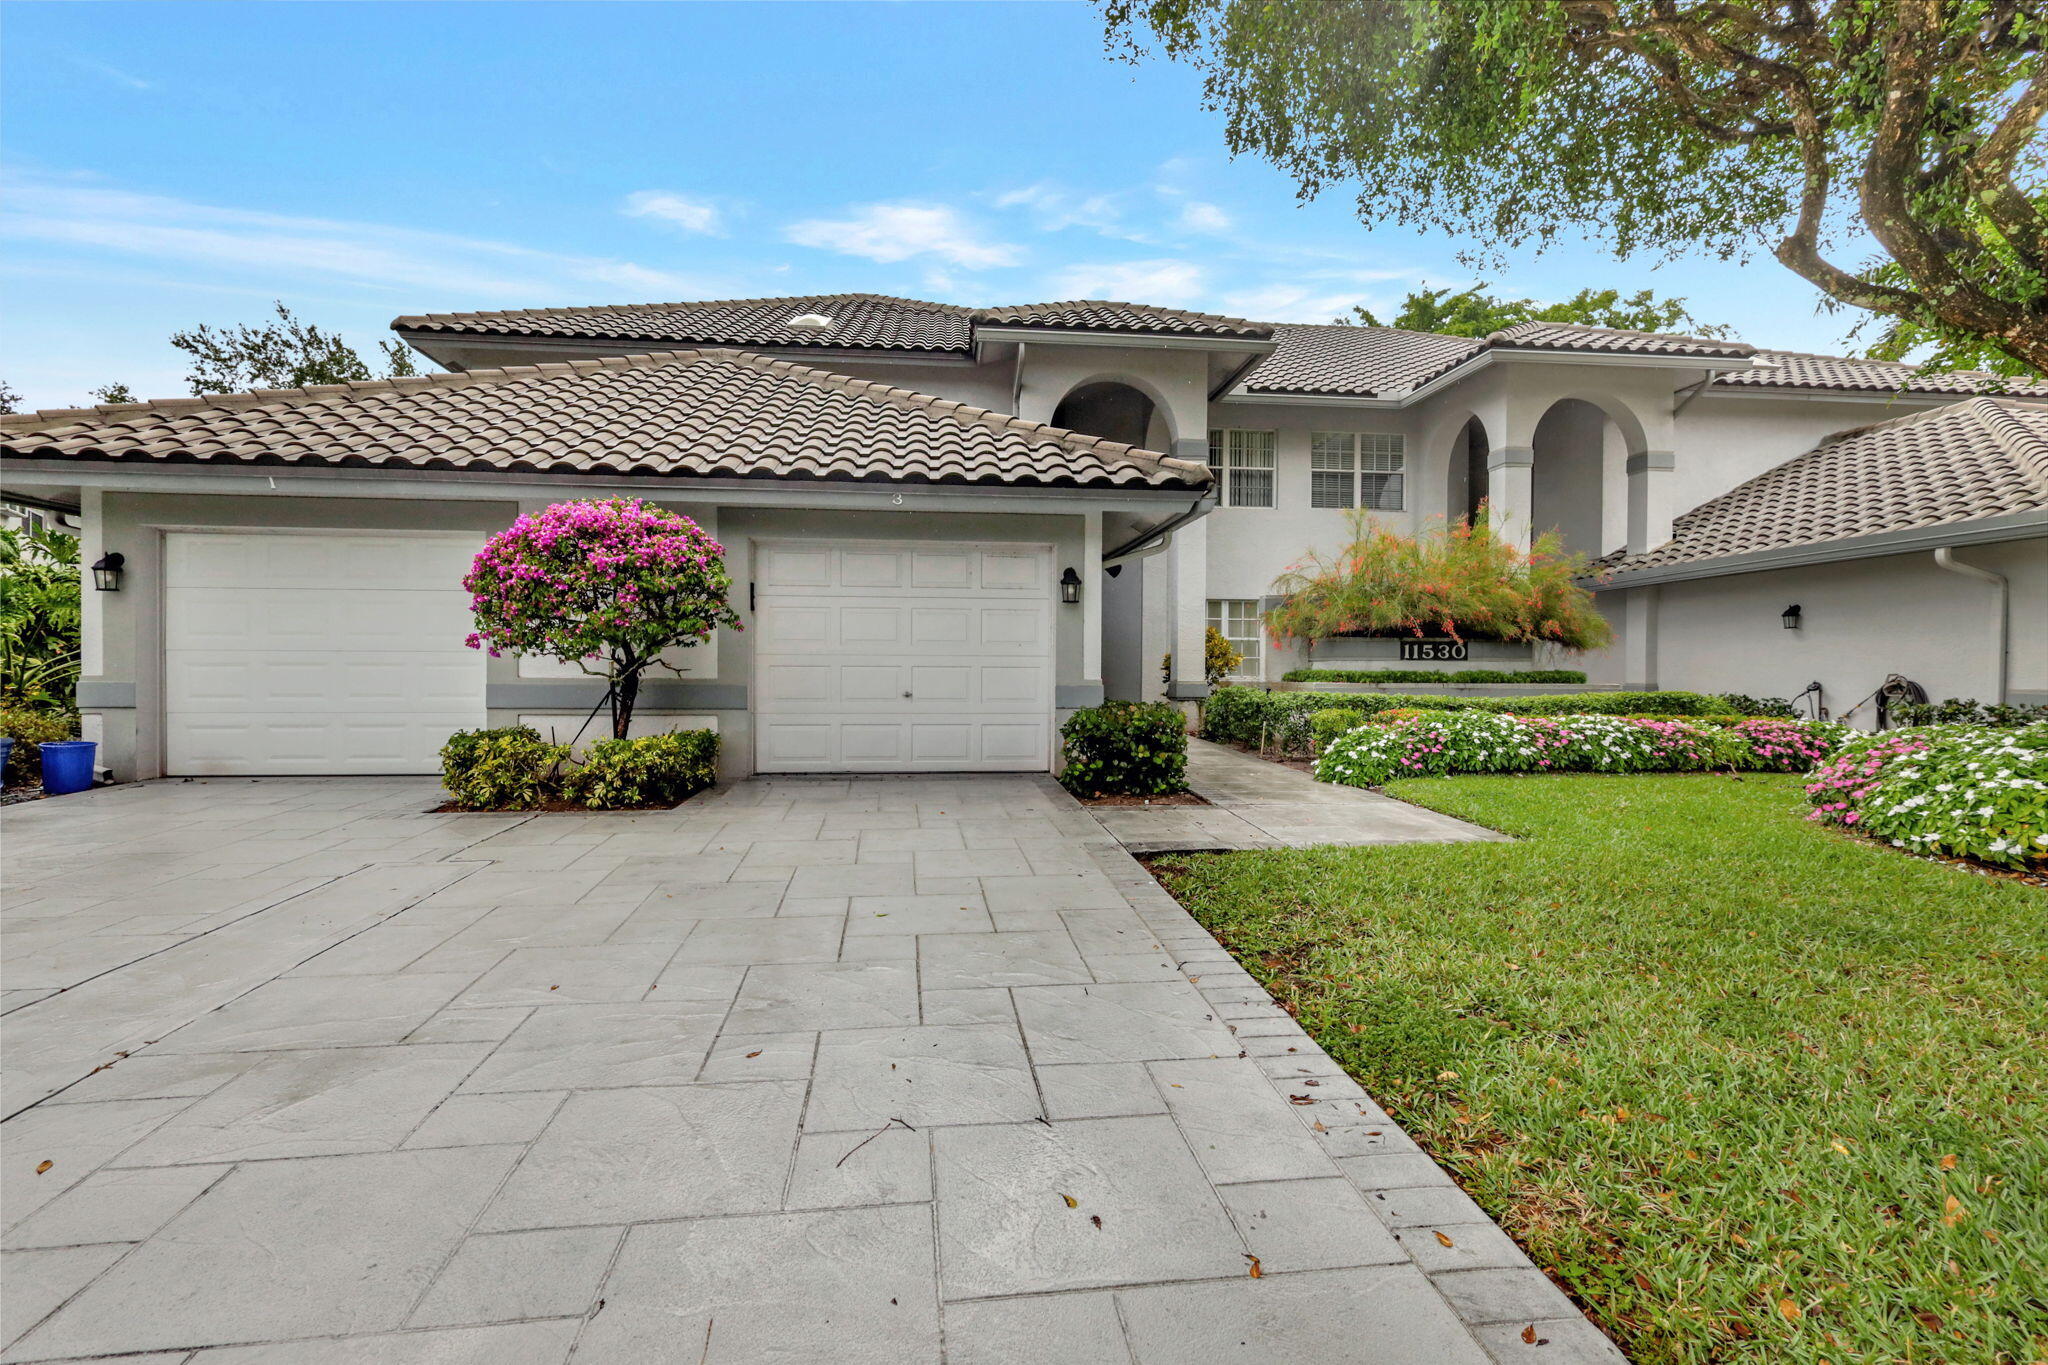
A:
(1750, 1089)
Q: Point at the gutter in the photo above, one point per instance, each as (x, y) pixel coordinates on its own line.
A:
(1945, 557)
(1143, 545)
(1911, 540)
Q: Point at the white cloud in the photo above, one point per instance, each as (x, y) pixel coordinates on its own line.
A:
(1055, 209)
(1160, 281)
(113, 73)
(280, 251)
(677, 210)
(1199, 216)
(898, 232)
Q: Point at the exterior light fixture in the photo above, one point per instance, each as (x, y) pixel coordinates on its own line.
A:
(1791, 617)
(106, 571)
(1070, 586)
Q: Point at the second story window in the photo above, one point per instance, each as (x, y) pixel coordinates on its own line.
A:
(1242, 462)
(1356, 469)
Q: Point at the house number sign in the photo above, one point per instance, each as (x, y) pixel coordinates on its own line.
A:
(1433, 651)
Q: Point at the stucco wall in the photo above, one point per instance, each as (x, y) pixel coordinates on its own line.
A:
(1860, 621)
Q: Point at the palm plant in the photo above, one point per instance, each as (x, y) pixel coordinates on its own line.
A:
(1457, 580)
(39, 618)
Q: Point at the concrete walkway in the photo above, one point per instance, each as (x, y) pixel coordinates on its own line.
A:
(881, 1070)
(1256, 804)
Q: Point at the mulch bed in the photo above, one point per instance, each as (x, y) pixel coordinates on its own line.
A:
(1300, 765)
(14, 796)
(550, 808)
(1177, 799)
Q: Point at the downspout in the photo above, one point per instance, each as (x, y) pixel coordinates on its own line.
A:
(1945, 557)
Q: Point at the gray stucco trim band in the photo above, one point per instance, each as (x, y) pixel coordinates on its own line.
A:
(574, 694)
(105, 696)
(1187, 691)
(1073, 696)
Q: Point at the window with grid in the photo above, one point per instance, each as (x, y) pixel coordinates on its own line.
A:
(1356, 469)
(1237, 620)
(1242, 462)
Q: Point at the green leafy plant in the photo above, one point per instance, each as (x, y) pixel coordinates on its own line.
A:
(1435, 675)
(1744, 705)
(1968, 790)
(1125, 748)
(654, 770)
(510, 768)
(1966, 711)
(1220, 658)
(1455, 579)
(285, 354)
(39, 618)
(1325, 726)
(30, 730)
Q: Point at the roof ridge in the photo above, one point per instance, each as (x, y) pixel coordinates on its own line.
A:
(250, 399)
(2026, 442)
(680, 305)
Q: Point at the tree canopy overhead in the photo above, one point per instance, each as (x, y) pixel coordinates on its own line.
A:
(1474, 313)
(1888, 151)
(285, 354)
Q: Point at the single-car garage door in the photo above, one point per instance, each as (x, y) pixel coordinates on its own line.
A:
(290, 654)
(902, 658)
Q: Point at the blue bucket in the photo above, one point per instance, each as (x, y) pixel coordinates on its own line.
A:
(6, 757)
(67, 766)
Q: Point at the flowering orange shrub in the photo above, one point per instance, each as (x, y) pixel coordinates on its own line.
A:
(1457, 580)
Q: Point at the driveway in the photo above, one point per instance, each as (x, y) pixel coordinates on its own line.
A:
(884, 1069)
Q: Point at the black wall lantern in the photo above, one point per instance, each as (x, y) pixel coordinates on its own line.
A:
(1070, 586)
(106, 572)
(1791, 617)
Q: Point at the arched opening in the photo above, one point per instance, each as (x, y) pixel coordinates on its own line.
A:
(1465, 472)
(1111, 410)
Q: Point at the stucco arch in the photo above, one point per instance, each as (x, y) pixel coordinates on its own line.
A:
(1457, 450)
(1162, 428)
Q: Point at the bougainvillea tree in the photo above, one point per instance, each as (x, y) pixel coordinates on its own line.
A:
(1458, 580)
(609, 586)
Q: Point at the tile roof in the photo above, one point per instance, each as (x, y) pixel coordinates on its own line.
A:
(1361, 362)
(1383, 362)
(1983, 457)
(714, 413)
(1794, 370)
(859, 322)
(1100, 315)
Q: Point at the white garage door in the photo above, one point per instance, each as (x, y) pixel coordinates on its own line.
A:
(287, 654)
(892, 658)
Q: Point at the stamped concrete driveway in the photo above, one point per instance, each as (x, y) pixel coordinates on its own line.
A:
(880, 1070)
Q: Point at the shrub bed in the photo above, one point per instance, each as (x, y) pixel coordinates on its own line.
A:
(1123, 748)
(1434, 675)
(30, 730)
(1249, 715)
(513, 768)
(1440, 743)
(1964, 790)
(1967, 711)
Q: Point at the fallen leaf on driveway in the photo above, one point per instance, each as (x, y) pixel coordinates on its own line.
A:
(44, 1167)
(1257, 1273)
(1072, 1202)
(755, 1053)
(1445, 1240)
(1529, 1334)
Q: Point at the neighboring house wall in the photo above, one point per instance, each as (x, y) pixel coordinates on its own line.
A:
(1861, 620)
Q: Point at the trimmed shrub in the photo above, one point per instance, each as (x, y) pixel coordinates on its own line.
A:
(1967, 711)
(1966, 790)
(656, 770)
(1325, 726)
(30, 730)
(1253, 716)
(511, 768)
(1434, 675)
(1124, 748)
(1744, 705)
(1444, 742)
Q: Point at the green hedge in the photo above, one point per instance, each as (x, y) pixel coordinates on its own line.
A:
(1434, 675)
(1249, 715)
(1124, 748)
(513, 768)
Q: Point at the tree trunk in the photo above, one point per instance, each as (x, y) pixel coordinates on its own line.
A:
(624, 692)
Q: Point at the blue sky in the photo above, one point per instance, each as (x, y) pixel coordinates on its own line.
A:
(172, 164)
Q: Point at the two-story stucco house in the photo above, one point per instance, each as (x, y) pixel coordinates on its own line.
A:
(951, 526)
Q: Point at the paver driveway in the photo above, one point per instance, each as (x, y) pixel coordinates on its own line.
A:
(886, 1069)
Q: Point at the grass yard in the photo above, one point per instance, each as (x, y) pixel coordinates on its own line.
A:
(1750, 1089)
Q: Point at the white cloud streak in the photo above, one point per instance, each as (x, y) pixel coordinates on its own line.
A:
(903, 231)
(1156, 281)
(677, 210)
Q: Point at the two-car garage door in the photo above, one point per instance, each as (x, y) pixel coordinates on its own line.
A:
(902, 658)
(315, 654)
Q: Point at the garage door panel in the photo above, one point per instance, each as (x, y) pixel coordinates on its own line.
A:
(314, 654)
(965, 630)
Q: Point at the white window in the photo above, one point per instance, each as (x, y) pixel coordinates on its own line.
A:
(1237, 618)
(1356, 469)
(1242, 462)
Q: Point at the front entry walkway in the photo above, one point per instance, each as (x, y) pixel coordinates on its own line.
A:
(872, 1070)
(1256, 804)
